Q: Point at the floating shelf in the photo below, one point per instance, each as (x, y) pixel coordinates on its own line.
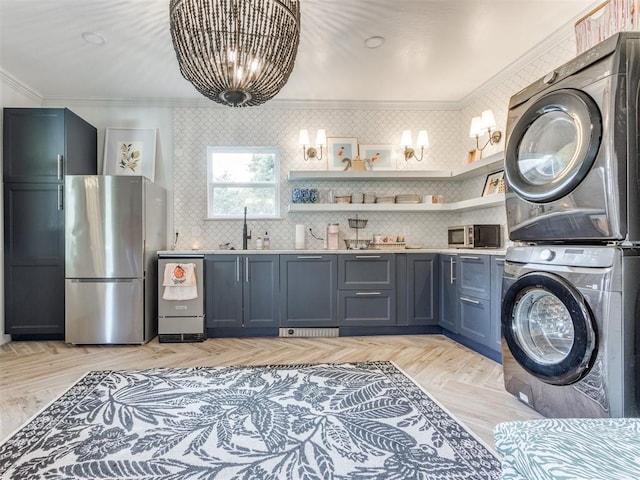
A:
(494, 200)
(486, 165)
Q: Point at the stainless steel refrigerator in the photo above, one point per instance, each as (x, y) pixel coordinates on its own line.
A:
(114, 225)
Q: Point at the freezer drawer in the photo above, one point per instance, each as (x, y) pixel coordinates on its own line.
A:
(181, 308)
(106, 311)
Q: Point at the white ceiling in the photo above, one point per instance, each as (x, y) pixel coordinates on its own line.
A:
(435, 50)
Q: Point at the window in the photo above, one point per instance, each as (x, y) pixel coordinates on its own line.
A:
(241, 177)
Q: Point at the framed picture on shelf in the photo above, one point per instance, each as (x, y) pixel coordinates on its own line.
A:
(379, 157)
(130, 151)
(492, 183)
(341, 150)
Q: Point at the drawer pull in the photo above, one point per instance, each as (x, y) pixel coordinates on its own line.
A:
(310, 257)
(362, 294)
(469, 300)
(367, 256)
(469, 258)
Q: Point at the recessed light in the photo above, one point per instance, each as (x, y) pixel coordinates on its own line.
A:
(374, 42)
(93, 38)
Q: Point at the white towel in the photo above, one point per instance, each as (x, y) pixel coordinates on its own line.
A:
(180, 281)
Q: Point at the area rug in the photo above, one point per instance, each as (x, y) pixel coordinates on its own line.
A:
(353, 421)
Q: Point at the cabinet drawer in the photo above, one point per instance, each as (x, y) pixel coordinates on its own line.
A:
(366, 308)
(475, 319)
(474, 276)
(367, 271)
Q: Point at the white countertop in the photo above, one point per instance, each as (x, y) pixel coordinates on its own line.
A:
(370, 251)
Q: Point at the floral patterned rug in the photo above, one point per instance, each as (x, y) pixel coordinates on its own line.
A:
(354, 421)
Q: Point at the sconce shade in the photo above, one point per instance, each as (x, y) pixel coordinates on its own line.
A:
(236, 52)
(476, 127)
(321, 138)
(303, 139)
(405, 139)
(423, 139)
(488, 120)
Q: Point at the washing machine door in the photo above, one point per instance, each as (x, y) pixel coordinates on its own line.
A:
(553, 146)
(549, 328)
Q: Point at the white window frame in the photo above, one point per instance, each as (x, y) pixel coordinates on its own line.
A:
(211, 185)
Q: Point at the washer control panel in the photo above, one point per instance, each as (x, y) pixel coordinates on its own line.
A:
(570, 256)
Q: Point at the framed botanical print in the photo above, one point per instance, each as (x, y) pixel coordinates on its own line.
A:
(130, 151)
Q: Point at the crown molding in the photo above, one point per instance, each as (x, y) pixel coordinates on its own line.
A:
(20, 87)
(281, 104)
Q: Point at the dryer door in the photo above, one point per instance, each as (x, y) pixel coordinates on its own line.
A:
(548, 328)
(553, 146)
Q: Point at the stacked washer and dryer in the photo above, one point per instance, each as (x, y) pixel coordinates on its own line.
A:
(571, 288)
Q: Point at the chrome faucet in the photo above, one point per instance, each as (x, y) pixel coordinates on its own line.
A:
(245, 236)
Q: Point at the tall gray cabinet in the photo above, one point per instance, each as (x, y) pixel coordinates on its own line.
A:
(40, 147)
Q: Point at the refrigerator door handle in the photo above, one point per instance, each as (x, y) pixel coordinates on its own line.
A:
(60, 197)
(101, 280)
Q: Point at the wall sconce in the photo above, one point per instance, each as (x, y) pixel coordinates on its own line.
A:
(311, 152)
(421, 143)
(485, 124)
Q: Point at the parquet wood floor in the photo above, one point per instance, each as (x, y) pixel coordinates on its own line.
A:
(32, 374)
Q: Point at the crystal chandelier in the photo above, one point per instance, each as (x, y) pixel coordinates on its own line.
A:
(236, 52)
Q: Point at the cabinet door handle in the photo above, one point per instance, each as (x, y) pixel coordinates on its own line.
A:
(469, 258)
(361, 294)
(246, 269)
(469, 300)
(452, 277)
(60, 197)
(310, 257)
(60, 169)
(237, 269)
(367, 256)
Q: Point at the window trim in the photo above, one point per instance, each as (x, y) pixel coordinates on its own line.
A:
(276, 184)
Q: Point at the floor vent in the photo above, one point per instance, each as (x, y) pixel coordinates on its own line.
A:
(309, 332)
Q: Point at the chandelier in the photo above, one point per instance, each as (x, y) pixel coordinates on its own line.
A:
(236, 52)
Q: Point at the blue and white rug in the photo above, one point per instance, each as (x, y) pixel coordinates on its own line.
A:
(361, 421)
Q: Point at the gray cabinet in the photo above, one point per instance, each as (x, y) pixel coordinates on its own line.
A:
(40, 147)
(497, 271)
(242, 291)
(448, 292)
(421, 300)
(308, 290)
(470, 297)
(367, 290)
(474, 297)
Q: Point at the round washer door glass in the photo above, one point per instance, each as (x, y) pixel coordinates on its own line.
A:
(548, 328)
(553, 145)
(543, 327)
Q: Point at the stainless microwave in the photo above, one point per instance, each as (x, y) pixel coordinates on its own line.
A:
(474, 236)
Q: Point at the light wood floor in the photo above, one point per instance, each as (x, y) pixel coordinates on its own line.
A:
(32, 374)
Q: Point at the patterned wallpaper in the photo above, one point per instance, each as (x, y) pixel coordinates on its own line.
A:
(197, 128)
